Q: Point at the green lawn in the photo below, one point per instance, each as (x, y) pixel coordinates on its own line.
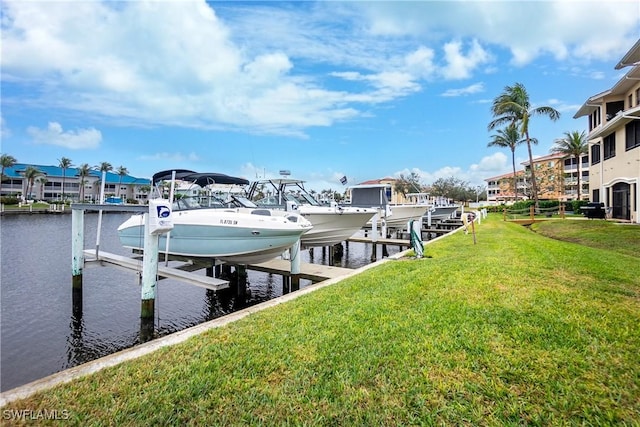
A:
(519, 329)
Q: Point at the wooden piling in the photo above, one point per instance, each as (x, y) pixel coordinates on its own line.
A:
(295, 265)
(149, 272)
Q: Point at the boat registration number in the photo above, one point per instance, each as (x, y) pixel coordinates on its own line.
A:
(229, 221)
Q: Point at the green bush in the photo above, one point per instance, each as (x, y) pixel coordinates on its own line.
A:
(9, 200)
(576, 204)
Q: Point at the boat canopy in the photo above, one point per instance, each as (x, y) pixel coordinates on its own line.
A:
(370, 195)
(201, 179)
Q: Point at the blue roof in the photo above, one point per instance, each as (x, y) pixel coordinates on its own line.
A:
(16, 171)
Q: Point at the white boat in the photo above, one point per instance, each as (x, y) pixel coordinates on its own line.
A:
(332, 223)
(377, 196)
(232, 234)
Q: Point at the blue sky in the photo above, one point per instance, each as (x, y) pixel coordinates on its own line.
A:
(324, 89)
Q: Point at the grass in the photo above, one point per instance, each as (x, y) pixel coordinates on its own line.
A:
(622, 238)
(519, 329)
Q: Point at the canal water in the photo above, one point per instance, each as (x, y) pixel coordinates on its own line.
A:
(39, 333)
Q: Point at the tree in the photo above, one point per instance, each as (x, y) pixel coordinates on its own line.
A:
(450, 188)
(104, 167)
(122, 172)
(575, 145)
(509, 138)
(408, 184)
(6, 161)
(513, 106)
(84, 170)
(64, 163)
(42, 180)
(30, 174)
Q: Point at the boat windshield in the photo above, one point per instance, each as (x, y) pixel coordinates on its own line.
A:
(204, 202)
(297, 198)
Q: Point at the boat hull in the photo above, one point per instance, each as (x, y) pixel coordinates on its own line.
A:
(332, 225)
(440, 213)
(401, 215)
(228, 235)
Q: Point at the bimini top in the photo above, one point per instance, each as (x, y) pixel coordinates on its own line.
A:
(201, 179)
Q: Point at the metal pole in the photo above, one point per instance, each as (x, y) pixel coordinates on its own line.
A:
(104, 178)
(77, 256)
(171, 191)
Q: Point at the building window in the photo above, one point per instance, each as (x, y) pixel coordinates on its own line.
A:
(638, 96)
(609, 146)
(595, 154)
(596, 196)
(594, 119)
(630, 100)
(632, 134)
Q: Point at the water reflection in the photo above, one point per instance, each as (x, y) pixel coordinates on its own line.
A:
(46, 327)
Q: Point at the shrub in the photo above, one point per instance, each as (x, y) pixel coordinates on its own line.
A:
(9, 200)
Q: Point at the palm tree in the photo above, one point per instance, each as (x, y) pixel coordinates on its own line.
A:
(513, 106)
(64, 163)
(122, 172)
(42, 180)
(509, 137)
(103, 167)
(6, 161)
(575, 145)
(83, 172)
(30, 174)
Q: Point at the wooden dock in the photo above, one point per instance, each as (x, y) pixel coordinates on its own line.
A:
(181, 273)
(313, 272)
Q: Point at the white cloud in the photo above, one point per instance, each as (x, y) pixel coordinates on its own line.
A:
(461, 65)
(469, 90)
(264, 68)
(73, 139)
(5, 132)
(561, 28)
(171, 157)
(492, 165)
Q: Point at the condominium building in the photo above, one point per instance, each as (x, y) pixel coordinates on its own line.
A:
(556, 176)
(500, 188)
(48, 185)
(614, 141)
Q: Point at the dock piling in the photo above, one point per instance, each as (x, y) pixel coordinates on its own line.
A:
(77, 257)
(149, 271)
(295, 265)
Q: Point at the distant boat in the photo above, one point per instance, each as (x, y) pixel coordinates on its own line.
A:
(331, 222)
(378, 195)
(235, 235)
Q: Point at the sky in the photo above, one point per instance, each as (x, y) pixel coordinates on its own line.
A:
(362, 89)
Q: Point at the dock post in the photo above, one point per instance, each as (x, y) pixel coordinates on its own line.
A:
(77, 258)
(295, 266)
(241, 280)
(149, 275)
(374, 238)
